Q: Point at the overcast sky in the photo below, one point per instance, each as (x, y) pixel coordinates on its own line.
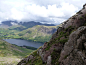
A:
(46, 11)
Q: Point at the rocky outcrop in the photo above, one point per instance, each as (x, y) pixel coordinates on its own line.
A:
(77, 20)
(25, 60)
(68, 44)
(74, 51)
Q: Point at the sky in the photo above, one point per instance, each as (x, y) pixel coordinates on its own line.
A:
(45, 11)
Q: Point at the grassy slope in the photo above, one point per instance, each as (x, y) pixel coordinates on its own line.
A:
(34, 34)
(12, 53)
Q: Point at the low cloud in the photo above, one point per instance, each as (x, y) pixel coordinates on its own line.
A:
(47, 11)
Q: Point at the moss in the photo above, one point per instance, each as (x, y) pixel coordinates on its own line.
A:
(59, 37)
(81, 17)
(55, 56)
(36, 61)
(63, 41)
(34, 53)
(70, 27)
(85, 24)
(65, 56)
(65, 33)
(48, 48)
(61, 33)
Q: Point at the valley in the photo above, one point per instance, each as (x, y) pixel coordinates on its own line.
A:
(38, 33)
(20, 40)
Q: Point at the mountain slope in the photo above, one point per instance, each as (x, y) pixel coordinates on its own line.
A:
(39, 33)
(66, 47)
(11, 54)
(17, 27)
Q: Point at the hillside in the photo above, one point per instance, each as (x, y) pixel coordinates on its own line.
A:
(38, 33)
(11, 54)
(66, 47)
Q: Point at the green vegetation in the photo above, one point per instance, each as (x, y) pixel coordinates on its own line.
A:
(13, 53)
(55, 56)
(61, 34)
(6, 49)
(37, 33)
(28, 47)
(37, 60)
(66, 56)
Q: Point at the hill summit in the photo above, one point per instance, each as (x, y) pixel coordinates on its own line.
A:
(66, 47)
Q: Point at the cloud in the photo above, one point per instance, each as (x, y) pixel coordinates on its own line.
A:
(48, 11)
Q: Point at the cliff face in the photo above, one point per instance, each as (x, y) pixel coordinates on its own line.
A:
(66, 47)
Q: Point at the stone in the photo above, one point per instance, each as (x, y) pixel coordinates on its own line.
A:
(23, 64)
(85, 45)
(49, 60)
(30, 57)
(73, 52)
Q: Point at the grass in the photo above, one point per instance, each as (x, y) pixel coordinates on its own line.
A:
(37, 60)
(9, 60)
(55, 56)
(11, 54)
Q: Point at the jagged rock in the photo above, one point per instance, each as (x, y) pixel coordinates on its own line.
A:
(59, 29)
(62, 38)
(54, 36)
(25, 60)
(47, 53)
(85, 45)
(76, 20)
(44, 46)
(73, 52)
(84, 6)
(30, 57)
(41, 54)
(23, 64)
(49, 60)
(57, 47)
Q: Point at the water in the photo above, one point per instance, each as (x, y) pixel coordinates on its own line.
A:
(20, 42)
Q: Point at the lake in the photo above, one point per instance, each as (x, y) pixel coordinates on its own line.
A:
(21, 42)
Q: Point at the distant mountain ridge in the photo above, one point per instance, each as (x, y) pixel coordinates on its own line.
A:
(28, 24)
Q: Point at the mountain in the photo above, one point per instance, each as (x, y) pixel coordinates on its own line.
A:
(32, 31)
(32, 23)
(38, 33)
(28, 24)
(9, 23)
(17, 27)
(11, 54)
(66, 47)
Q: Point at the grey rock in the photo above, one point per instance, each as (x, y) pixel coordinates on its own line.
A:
(72, 53)
(49, 60)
